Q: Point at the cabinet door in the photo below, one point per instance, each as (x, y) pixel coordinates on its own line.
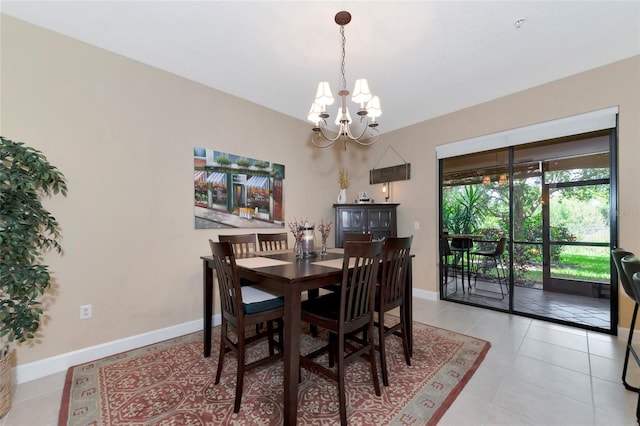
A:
(382, 222)
(353, 220)
(350, 220)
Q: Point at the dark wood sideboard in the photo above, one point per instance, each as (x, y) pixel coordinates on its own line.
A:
(378, 219)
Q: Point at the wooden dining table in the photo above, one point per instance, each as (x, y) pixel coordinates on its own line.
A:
(285, 273)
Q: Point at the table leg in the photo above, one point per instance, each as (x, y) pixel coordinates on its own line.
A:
(292, 324)
(207, 302)
(408, 307)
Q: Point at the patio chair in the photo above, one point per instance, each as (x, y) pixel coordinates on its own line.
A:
(447, 265)
(495, 256)
(636, 284)
(626, 265)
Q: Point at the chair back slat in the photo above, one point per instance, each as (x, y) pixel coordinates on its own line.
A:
(228, 282)
(445, 248)
(360, 270)
(357, 236)
(502, 244)
(631, 266)
(617, 254)
(395, 264)
(242, 243)
(272, 242)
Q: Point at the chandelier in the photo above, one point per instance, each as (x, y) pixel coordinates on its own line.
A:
(368, 111)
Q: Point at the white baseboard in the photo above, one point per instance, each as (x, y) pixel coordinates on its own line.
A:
(426, 294)
(59, 363)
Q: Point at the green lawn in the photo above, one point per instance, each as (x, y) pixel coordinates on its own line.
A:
(583, 267)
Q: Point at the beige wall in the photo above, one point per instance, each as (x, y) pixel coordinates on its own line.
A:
(123, 133)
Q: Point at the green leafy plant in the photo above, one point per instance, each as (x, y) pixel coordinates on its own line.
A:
(243, 162)
(27, 230)
(223, 161)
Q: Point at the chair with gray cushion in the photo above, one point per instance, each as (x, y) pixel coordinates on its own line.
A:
(617, 255)
(242, 307)
(636, 284)
(390, 295)
(346, 314)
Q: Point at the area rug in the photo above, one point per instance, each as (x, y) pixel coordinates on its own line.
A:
(171, 383)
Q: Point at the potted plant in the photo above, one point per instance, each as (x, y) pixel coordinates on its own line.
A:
(343, 180)
(27, 230)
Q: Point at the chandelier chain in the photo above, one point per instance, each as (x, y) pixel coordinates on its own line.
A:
(344, 42)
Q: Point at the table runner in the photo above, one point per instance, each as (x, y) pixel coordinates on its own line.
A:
(259, 262)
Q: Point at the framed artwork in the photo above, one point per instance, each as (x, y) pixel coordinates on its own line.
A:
(231, 191)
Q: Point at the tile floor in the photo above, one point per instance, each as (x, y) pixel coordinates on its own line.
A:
(535, 373)
(582, 310)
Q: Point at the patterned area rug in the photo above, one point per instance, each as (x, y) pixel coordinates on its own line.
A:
(171, 383)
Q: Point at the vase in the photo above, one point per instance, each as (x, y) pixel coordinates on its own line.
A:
(342, 196)
(323, 249)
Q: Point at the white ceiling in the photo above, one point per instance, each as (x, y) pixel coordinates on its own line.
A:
(423, 58)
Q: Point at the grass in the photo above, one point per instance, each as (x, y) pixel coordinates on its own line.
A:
(587, 265)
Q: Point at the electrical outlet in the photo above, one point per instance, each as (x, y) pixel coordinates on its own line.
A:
(85, 312)
(416, 225)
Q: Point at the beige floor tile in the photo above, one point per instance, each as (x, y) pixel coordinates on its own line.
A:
(535, 373)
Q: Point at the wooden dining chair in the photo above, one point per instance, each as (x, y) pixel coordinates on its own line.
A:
(390, 295)
(347, 236)
(345, 313)
(242, 243)
(242, 307)
(357, 236)
(272, 242)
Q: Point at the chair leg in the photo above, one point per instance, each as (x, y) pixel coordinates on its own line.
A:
(626, 354)
(372, 359)
(342, 398)
(638, 410)
(383, 349)
(333, 349)
(240, 372)
(495, 261)
(223, 331)
(405, 338)
(270, 337)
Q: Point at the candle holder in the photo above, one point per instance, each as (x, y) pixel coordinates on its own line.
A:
(308, 242)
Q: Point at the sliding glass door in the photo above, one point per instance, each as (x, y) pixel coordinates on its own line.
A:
(552, 201)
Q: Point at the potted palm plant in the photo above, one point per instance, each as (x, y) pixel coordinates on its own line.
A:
(27, 230)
